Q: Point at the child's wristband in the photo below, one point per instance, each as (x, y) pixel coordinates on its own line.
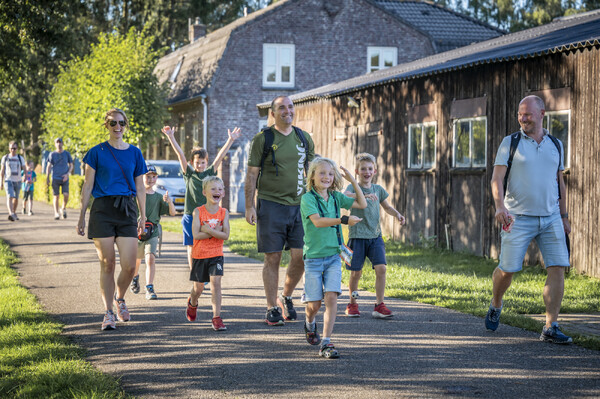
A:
(344, 219)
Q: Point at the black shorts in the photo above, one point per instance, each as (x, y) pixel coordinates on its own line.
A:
(278, 227)
(58, 184)
(106, 220)
(202, 269)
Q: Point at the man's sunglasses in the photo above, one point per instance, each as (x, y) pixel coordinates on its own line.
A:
(114, 123)
(14, 148)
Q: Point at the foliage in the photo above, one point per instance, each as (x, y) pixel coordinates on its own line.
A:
(117, 73)
(43, 192)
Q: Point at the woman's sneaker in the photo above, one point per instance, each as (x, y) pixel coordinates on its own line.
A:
(352, 310)
(135, 284)
(554, 335)
(217, 324)
(109, 321)
(122, 311)
(150, 294)
(381, 311)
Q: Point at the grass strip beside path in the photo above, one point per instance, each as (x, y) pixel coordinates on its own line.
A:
(36, 361)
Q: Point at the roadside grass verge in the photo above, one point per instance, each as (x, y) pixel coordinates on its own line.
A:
(456, 280)
(36, 361)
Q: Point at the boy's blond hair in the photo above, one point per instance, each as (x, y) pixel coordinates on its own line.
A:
(338, 181)
(211, 179)
(365, 157)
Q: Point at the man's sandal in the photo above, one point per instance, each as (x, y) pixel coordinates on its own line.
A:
(312, 337)
(329, 352)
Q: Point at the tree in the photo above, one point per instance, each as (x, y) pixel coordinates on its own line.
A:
(116, 73)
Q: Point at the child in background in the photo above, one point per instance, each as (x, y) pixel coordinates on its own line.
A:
(365, 239)
(156, 205)
(29, 177)
(320, 208)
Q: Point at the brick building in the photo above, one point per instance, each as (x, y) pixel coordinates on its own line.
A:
(288, 47)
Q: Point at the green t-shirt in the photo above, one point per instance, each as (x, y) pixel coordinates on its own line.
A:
(369, 227)
(320, 242)
(193, 188)
(155, 207)
(287, 185)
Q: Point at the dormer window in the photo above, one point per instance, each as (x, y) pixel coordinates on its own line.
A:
(175, 73)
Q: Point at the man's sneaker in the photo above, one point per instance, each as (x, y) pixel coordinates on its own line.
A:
(64, 212)
(24, 211)
(285, 303)
(273, 317)
(10, 217)
(122, 311)
(150, 294)
(329, 352)
(190, 313)
(15, 216)
(381, 311)
(109, 321)
(492, 319)
(352, 310)
(554, 335)
(56, 216)
(217, 324)
(135, 284)
(30, 213)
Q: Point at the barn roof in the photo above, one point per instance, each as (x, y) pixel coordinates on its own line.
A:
(564, 34)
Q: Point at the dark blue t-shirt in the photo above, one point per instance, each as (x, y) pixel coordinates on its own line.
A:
(109, 177)
(60, 164)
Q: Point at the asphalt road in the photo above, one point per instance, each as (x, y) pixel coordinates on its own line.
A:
(424, 351)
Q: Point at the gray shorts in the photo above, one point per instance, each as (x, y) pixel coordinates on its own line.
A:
(278, 227)
(147, 247)
(58, 184)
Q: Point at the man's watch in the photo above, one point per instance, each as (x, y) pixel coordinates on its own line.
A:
(564, 215)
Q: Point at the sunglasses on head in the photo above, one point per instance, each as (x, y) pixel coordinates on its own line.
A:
(114, 123)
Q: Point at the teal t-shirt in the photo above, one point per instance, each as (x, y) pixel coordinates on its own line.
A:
(155, 207)
(193, 188)
(369, 227)
(320, 242)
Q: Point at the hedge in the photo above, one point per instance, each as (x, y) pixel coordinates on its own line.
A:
(42, 192)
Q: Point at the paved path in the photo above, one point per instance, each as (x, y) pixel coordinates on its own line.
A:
(425, 351)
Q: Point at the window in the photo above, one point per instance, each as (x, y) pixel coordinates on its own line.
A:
(421, 145)
(558, 124)
(182, 136)
(173, 76)
(278, 65)
(196, 133)
(381, 58)
(469, 144)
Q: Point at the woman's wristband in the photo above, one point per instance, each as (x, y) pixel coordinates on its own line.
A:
(344, 219)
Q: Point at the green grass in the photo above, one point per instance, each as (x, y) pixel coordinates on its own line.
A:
(457, 281)
(36, 361)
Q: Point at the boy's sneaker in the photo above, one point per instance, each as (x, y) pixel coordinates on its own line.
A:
(554, 335)
(135, 284)
(381, 311)
(285, 302)
(492, 319)
(352, 310)
(122, 311)
(217, 324)
(273, 317)
(109, 321)
(329, 352)
(190, 313)
(64, 212)
(150, 294)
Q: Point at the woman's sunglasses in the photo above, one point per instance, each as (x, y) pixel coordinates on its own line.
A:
(114, 123)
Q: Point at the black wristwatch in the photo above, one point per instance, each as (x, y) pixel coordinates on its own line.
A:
(344, 219)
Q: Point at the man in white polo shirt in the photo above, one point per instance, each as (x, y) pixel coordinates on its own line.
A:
(11, 167)
(532, 208)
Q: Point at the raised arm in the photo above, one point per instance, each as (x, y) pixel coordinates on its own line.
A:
(232, 136)
(359, 202)
(167, 198)
(249, 191)
(170, 133)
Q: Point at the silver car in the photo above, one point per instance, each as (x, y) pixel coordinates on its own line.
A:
(170, 178)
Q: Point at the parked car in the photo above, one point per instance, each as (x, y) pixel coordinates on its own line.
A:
(170, 178)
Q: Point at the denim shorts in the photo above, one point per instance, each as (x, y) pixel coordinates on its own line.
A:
(322, 275)
(362, 248)
(549, 234)
(186, 222)
(147, 247)
(278, 227)
(12, 188)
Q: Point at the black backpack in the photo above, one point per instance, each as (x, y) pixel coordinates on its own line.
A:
(268, 147)
(514, 143)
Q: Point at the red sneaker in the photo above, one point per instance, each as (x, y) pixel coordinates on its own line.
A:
(381, 311)
(191, 310)
(352, 310)
(218, 325)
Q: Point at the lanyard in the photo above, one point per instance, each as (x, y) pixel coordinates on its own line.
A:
(337, 227)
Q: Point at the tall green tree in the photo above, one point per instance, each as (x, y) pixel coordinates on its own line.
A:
(116, 73)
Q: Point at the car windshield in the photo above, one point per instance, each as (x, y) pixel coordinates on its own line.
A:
(169, 170)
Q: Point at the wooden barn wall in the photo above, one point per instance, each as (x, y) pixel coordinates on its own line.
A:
(457, 200)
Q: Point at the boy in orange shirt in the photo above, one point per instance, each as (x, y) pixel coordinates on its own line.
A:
(210, 228)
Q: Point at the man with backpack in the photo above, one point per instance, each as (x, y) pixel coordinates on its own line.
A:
(277, 165)
(12, 165)
(530, 203)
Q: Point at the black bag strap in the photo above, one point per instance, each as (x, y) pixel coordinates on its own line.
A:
(337, 227)
(122, 171)
(268, 148)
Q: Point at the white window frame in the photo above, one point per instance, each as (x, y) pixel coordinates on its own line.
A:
(372, 50)
(423, 125)
(454, 142)
(278, 48)
(567, 155)
(173, 76)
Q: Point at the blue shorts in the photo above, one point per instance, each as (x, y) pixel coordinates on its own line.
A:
(322, 275)
(549, 234)
(12, 188)
(186, 222)
(372, 248)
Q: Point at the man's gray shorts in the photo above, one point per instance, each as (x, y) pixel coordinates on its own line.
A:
(278, 227)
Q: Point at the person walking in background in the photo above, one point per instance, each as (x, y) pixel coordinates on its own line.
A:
(29, 178)
(531, 205)
(278, 159)
(12, 166)
(61, 165)
(114, 176)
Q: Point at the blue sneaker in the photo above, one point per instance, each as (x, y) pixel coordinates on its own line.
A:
(492, 318)
(554, 335)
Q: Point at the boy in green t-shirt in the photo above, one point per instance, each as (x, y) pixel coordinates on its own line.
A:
(365, 239)
(156, 205)
(193, 176)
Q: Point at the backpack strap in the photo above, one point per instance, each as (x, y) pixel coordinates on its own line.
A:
(338, 228)
(560, 157)
(268, 148)
(514, 143)
(302, 138)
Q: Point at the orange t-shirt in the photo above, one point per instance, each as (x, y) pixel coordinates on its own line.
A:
(209, 247)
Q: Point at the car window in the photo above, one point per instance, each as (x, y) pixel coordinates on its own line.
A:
(168, 171)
